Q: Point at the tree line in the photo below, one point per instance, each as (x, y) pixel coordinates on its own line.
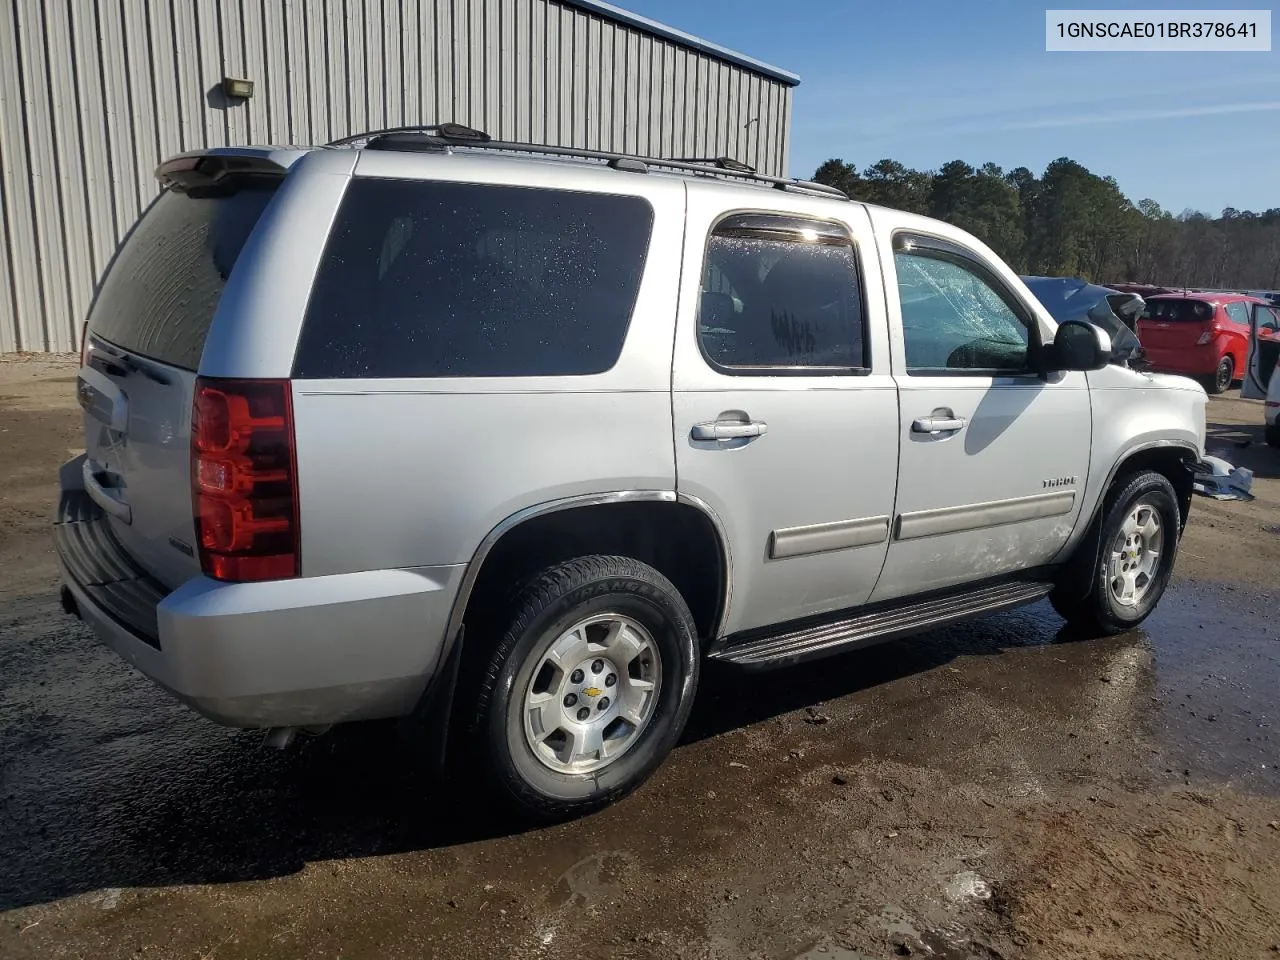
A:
(1072, 222)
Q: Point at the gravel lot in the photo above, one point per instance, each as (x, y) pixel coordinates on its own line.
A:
(995, 790)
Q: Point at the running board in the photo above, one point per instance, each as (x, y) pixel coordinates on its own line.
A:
(884, 623)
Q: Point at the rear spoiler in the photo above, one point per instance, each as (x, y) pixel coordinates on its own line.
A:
(224, 168)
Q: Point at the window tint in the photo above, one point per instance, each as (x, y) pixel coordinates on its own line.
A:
(1238, 311)
(953, 318)
(780, 293)
(160, 294)
(1177, 311)
(432, 279)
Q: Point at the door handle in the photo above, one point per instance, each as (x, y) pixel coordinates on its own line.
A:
(938, 424)
(102, 496)
(728, 429)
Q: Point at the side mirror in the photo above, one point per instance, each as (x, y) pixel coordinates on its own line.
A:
(1080, 346)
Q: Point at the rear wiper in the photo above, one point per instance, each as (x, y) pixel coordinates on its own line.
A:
(133, 365)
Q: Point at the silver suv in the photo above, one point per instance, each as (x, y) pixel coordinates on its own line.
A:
(426, 424)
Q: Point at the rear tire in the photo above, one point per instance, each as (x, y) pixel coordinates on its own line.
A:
(1137, 548)
(589, 688)
(1223, 377)
(1272, 434)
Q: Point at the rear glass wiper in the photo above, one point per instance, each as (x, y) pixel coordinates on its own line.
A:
(133, 365)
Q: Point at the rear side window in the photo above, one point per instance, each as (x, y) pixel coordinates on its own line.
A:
(160, 293)
(1238, 311)
(1178, 311)
(434, 279)
(780, 294)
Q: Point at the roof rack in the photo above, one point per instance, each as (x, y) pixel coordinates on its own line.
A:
(724, 163)
(439, 137)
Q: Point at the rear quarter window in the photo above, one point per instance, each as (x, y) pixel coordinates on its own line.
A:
(1237, 311)
(433, 279)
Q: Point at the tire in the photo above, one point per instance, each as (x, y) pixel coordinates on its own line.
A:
(1223, 378)
(1272, 434)
(1104, 611)
(525, 729)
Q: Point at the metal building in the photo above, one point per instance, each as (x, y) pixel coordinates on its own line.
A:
(94, 93)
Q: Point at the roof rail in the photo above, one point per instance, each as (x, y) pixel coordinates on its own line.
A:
(724, 163)
(443, 135)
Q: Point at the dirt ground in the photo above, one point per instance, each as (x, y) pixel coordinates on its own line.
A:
(993, 790)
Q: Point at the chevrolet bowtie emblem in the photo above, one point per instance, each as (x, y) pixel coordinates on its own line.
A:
(592, 691)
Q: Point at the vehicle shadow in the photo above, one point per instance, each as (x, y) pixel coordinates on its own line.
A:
(1243, 445)
(106, 783)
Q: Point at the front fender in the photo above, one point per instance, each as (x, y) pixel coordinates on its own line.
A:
(1133, 414)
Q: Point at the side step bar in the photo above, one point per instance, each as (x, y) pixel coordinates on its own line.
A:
(884, 623)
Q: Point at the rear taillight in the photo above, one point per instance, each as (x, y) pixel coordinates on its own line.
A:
(244, 487)
(1206, 337)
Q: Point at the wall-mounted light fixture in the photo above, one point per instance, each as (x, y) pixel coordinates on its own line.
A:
(237, 89)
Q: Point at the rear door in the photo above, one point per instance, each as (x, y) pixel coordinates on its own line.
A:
(146, 333)
(1264, 351)
(1174, 323)
(785, 413)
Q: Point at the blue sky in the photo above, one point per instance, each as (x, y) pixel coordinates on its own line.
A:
(927, 82)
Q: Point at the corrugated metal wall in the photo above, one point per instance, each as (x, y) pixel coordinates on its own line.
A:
(94, 93)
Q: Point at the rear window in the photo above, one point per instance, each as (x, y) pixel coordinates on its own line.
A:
(1178, 311)
(160, 294)
(432, 279)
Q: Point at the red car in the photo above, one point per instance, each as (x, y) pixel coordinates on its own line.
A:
(1201, 335)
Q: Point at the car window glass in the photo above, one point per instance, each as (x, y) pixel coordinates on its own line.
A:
(1177, 310)
(435, 279)
(778, 295)
(160, 294)
(1238, 312)
(953, 319)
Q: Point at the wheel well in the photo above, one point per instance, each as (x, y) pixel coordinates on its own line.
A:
(678, 540)
(1171, 462)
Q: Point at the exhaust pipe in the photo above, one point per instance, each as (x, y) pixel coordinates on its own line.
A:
(279, 738)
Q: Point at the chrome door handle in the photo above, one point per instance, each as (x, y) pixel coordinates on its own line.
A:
(937, 424)
(728, 429)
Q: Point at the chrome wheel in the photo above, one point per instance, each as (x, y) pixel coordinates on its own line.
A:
(592, 694)
(1135, 555)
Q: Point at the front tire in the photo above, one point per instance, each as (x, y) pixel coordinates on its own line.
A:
(589, 688)
(1223, 377)
(1272, 434)
(1137, 548)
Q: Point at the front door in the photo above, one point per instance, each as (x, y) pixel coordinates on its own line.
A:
(784, 408)
(993, 455)
(1264, 351)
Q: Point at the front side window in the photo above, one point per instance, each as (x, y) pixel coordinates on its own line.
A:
(437, 279)
(781, 295)
(954, 318)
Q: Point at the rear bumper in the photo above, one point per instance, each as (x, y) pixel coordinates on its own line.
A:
(310, 651)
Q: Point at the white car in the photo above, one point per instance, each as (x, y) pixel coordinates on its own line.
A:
(1264, 355)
